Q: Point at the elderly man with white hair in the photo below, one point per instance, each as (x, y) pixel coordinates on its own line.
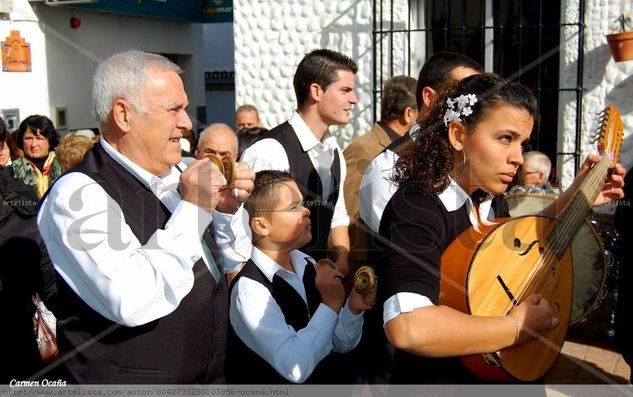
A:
(218, 139)
(141, 289)
(535, 169)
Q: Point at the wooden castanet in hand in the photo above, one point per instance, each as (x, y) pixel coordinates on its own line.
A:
(365, 280)
(226, 166)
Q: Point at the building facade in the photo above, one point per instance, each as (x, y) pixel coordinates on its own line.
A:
(558, 49)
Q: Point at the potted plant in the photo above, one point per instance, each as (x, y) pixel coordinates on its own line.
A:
(621, 43)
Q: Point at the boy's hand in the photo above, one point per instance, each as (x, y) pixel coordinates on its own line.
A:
(330, 287)
(358, 303)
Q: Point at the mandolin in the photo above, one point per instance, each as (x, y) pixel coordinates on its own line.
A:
(490, 269)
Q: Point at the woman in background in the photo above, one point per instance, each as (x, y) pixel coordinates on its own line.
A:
(38, 167)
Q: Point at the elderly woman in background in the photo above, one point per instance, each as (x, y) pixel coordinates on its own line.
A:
(38, 167)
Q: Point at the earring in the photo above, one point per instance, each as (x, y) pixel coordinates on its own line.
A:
(463, 164)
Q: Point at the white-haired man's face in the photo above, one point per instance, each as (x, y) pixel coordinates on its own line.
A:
(531, 176)
(157, 130)
(220, 141)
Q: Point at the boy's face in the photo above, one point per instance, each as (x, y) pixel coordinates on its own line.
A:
(289, 223)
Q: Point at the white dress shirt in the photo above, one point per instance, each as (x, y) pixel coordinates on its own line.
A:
(259, 322)
(377, 188)
(269, 154)
(101, 259)
(453, 198)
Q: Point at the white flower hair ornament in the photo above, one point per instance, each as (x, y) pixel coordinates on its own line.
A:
(458, 107)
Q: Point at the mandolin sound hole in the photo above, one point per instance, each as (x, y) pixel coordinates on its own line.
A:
(517, 243)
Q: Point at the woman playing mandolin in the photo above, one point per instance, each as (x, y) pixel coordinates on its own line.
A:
(451, 178)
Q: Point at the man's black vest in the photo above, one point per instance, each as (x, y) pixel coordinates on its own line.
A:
(244, 366)
(186, 346)
(307, 178)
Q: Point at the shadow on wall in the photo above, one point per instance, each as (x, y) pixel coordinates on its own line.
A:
(357, 43)
(618, 94)
(595, 73)
(596, 62)
(595, 66)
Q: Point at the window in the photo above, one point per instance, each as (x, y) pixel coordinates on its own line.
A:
(518, 40)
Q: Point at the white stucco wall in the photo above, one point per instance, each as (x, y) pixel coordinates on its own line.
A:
(605, 81)
(271, 37)
(26, 91)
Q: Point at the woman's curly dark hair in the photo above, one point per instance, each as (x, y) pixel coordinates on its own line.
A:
(429, 158)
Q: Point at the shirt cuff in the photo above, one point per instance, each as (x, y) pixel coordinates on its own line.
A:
(340, 221)
(325, 317)
(232, 235)
(184, 213)
(348, 318)
(403, 302)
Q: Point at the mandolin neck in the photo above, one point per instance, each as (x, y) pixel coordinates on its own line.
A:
(579, 207)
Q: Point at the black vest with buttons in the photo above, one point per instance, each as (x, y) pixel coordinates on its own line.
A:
(186, 346)
(309, 182)
(244, 366)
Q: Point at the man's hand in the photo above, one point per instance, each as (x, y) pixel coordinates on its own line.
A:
(200, 184)
(230, 199)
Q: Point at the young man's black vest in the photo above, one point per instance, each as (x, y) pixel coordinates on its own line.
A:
(186, 346)
(244, 366)
(307, 178)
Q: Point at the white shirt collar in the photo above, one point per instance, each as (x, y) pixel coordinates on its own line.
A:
(269, 267)
(156, 184)
(454, 197)
(306, 137)
(414, 131)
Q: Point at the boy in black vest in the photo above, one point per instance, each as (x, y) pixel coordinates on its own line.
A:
(287, 313)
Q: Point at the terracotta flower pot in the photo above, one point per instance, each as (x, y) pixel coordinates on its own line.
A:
(621, 45)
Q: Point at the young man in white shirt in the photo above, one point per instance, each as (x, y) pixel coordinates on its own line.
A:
(438, 73)
(324, 87)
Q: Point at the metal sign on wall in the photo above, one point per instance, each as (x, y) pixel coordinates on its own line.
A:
(16, 53)
(205, 11)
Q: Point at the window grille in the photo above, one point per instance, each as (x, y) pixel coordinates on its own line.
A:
(519, 40)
